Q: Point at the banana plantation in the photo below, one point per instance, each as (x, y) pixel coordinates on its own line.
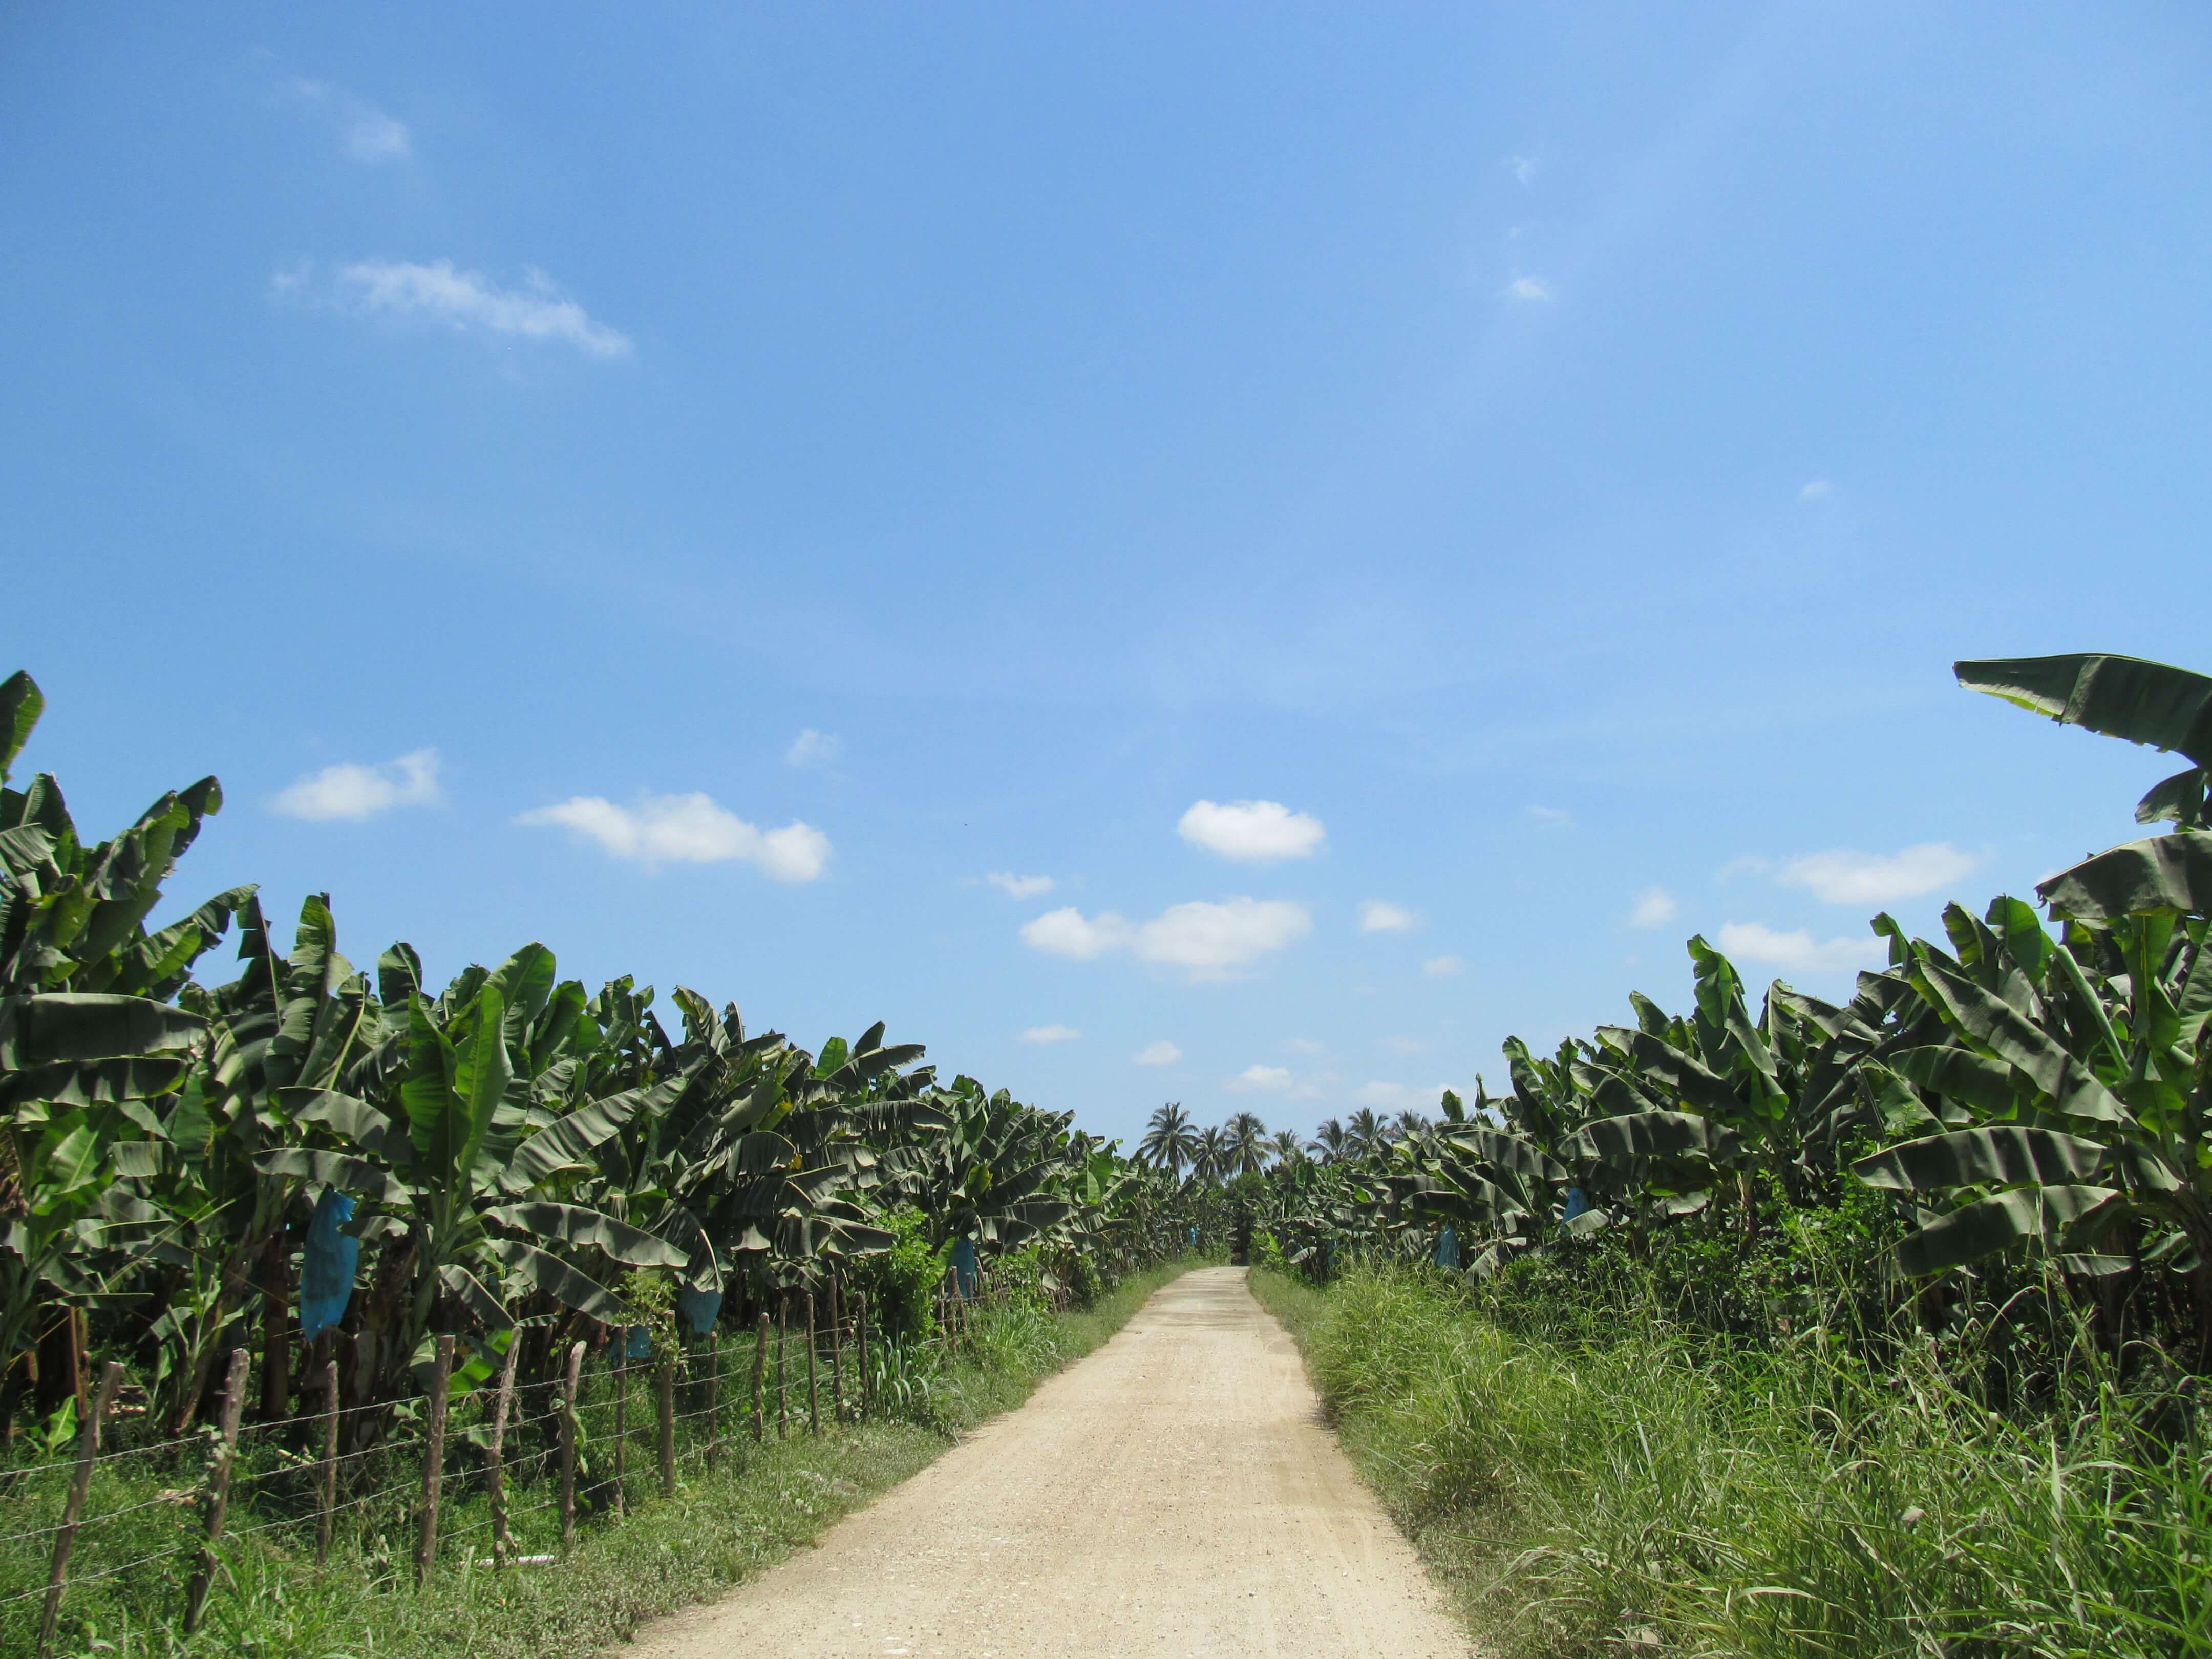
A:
(2016, 1108)
(326, 1165)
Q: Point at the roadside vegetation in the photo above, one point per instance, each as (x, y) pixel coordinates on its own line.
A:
(1787, 1327)
(306, 1233)
(723, 1524)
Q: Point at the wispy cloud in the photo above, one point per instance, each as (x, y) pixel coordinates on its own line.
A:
(812, 749)
(1020, 887)
(1380, 916)
(1208, 940)
(365, 132)
(1270, 1079)
(1405, 1045)
(689, 830)
(1655, 907)
(348, 792)
(1162, 1053)
(1798, 950)
(1443, 967)
(1523, 169)
(1816, 491)
(1306, 1046)
(1051, 1033)
(465, 301)
(1252, 831)
(1528, 289)
(1552, 817)
(1842, 876)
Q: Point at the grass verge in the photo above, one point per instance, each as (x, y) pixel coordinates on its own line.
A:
(1611, 1486)
(719, 1529)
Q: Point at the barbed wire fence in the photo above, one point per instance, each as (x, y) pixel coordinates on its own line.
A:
(289, 1474)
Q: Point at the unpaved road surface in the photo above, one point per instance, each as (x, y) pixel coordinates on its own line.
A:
(1173, 1494)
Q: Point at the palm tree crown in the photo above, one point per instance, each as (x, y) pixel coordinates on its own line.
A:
(1211, 1161)
(1366, 1133)
(1170, 1141)
(1246, 1139)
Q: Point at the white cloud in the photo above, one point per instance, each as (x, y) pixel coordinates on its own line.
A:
(812, 748)
(689, 830)
(1443, 967)
(1020, 887)
(350, 792)
(1655, 907)
(1818, 489)
(462, 300)
(366, 132)
(1552, 817)
(1272, 1080)
(1528, 288)
(1051, 1033)
(1207, 940)
(1306, 1046)
(1068, 932)
(1798, 950)
(1162, 1053)
(1844, 876)
(1405, 1045)
(1522, 167)
(1252, 831)
(1376, 917)
(1380, 1095)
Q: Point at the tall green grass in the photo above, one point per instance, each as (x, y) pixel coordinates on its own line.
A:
(1603, 1483)
(272, 1602)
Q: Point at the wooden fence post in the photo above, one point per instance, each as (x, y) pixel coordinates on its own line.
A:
(836, 1353)
(326, 1478)
(782, 1372)
(622, 1418)
(568, 1446)
(87, 1448)
(867, 1376)
(760, 1377)
(495, 1461)
(665, 1376)
(813, 1409)
(234, 1401)
(714, 1397)
(434, 1461)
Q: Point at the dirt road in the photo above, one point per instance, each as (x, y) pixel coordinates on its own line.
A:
(1173, 1494)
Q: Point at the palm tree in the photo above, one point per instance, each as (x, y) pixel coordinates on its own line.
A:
(1330, 1143)
(1170, 1142)
(1286, 1147)
(1366, 1133)
(1409, 1124)
(1246, 1139)
(1211, 1161)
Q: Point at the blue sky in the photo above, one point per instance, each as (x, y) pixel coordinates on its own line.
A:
(1400, 516)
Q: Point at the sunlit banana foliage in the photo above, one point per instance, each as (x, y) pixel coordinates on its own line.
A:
(2031, 1092)
(313, 1159)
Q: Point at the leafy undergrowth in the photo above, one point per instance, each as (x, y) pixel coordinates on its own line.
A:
(720, 1528)
(1608, 1486)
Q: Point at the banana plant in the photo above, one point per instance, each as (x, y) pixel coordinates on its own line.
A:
(433, 1155)
(2152, 704)
(89, 1048)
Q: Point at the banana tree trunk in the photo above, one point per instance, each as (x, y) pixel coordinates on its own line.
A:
(276, 1332)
